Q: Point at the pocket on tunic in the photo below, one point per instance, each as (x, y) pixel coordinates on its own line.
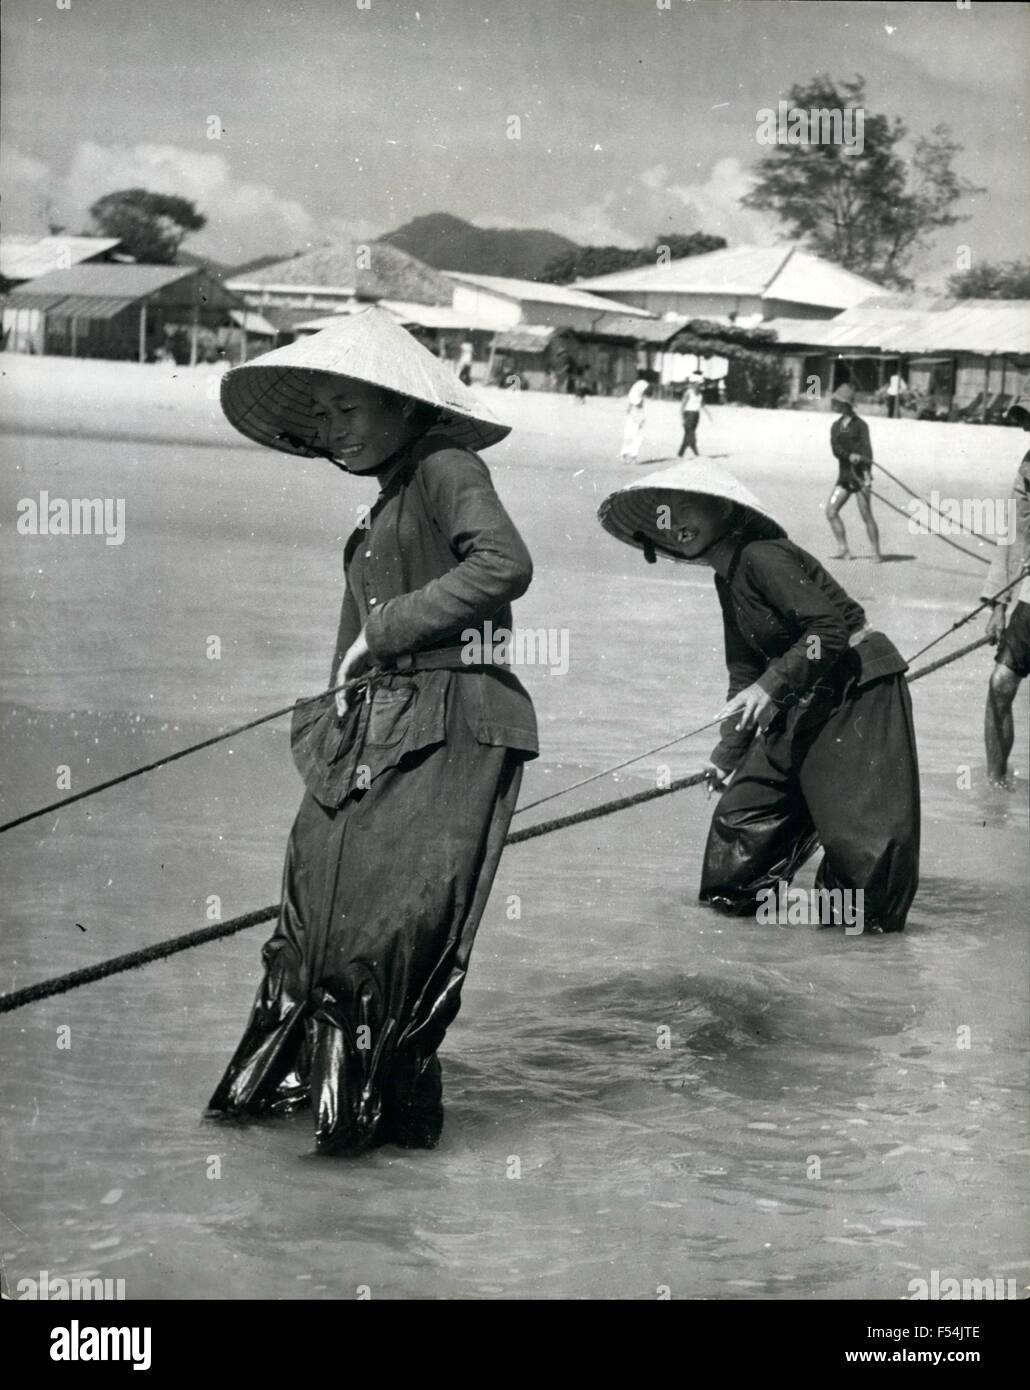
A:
(389, 719)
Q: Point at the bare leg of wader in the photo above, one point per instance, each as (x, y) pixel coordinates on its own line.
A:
(836, 500)
(760, 835)
(999, 733)
(865, 507)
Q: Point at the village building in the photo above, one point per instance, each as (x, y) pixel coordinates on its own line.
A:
(959, 359)
(338, 278)
(118, 311)
(24, 258)
(447, 333)
(740, 284)
(509, 301)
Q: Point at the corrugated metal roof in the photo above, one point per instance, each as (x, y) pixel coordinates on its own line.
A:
(527, 337)
(764, 272)
(27, 257)
(643, 330)
(919, 325)
(973, 325)
(107, 281)
(437, 316)
(828, 333)
(71, 306)
(252, 322)
(90, 306)
(43, 302)
(572, 296)
(337, 268)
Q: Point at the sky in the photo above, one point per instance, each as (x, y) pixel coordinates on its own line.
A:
(353, 116)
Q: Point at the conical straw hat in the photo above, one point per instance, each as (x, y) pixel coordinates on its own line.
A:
(269, 399)
(632, 515)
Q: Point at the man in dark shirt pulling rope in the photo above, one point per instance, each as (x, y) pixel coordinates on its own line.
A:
(853, 450)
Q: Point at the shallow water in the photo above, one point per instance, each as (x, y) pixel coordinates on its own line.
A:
(815, 1127)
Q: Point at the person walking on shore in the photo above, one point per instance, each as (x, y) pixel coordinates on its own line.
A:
(633, 432)
(693, 403)
(411, 778)
(853, 450)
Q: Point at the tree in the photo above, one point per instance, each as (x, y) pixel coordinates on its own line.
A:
(993, 280)
(863, 205)
(584, 261)
(151, 226)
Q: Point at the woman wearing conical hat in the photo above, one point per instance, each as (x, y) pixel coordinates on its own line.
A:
(412, 780)
(817, 741)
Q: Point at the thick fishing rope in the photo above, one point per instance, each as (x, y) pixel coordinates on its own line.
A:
(61, 984)
(637, 757)
(968, 530)
(946, 539)
(184, 752)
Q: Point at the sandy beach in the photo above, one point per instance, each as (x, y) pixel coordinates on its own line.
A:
(898, 1063)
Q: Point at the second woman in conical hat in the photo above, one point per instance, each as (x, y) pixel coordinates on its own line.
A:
(817, 740)
(411, 785)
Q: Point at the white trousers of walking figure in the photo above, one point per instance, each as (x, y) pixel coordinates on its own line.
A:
(632, 435)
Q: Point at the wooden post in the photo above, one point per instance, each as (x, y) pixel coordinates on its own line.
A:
(243, 342)
(194, 330)
(74, 335)
(143, 331)
(987, 390)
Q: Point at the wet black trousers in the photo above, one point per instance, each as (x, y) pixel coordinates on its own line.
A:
(839, 771)
(363, 974)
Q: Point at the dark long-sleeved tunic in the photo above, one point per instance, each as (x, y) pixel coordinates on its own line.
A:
(849, 434)
(786, 622)
(439, 558)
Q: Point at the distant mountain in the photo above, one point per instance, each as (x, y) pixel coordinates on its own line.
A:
(450, 243)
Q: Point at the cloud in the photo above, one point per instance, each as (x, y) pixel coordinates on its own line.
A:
(653, 203)
(27, 182)
(244, 219)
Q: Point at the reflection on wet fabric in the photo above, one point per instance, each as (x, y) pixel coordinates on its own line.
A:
(819, 775)
(380, 905)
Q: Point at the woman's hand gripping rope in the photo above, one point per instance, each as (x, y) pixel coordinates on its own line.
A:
(355, 662)
(750, 703)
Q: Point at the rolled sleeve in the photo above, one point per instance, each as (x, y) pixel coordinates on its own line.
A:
(493, 565)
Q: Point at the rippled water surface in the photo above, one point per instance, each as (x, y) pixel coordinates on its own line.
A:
(831, 1116)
